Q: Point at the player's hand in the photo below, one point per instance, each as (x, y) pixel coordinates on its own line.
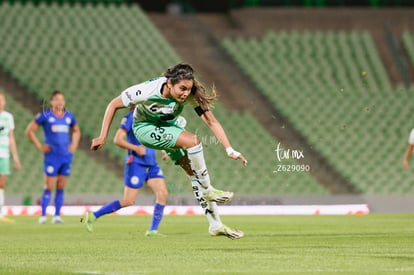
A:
(140, 150)
(97, 143)
(17, 164)
(405, 164)
(236, 155)
(72, 148)
(164, 155)
(45, 148)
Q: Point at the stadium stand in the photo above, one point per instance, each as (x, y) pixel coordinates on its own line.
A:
(93, 52)
(333, 87)
(408, 41)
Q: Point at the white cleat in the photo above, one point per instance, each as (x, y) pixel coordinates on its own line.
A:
(226, 231)
(42, 219)
(57, 220)
(218, 196)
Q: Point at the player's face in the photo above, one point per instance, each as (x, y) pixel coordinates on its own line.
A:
(181, 90)
(58, 102)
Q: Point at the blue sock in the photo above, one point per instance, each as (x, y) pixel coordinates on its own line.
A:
(44, 201)
(59, 198)
(109, 208)
(157, 216)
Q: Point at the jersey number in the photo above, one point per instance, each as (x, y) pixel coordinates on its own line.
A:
(155, 134)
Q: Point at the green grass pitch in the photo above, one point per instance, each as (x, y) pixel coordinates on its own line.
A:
(371, 244)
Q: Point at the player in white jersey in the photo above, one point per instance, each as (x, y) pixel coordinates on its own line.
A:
(159, 102)
(7, 145)
(409, 150)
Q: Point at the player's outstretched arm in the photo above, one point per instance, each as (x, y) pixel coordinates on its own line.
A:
(215, 126)
(112, 107)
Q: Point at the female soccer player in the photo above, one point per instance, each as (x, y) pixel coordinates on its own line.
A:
(158, 103)
(7, 145)
(140, 166)
(58, 149)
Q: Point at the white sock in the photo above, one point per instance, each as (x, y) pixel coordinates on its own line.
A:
(1, 201)
(210, 208)
(198, 165)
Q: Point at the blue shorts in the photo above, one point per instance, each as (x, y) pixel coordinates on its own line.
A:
(57, 165)
(135, 174)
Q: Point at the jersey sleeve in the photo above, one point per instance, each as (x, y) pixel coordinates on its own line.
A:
(11, 122)
(126, 123)
(140, 92)
(39, 118)
(73, 120)
(411, 137)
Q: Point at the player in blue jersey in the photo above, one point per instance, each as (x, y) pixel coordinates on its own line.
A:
(61, 138)
(159, 102)
(140, 166)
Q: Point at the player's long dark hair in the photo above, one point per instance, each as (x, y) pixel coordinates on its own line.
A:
(183, 71)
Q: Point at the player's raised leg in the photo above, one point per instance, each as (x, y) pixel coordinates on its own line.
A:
(199, 168)
(216, 227)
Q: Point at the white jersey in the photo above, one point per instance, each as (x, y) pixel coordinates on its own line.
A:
(411, 137)
(6, 125)
(150, 104)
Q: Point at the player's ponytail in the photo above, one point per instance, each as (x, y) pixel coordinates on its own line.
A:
(184, 71)
(202, 97)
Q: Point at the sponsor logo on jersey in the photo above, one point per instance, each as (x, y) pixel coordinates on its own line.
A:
(159, 108)
(128, 96)
(60, 128)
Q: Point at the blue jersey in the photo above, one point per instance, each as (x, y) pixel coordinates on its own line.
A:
(56, 130)
(149, 158)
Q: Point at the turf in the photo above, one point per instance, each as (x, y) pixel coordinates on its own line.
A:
(372, 244)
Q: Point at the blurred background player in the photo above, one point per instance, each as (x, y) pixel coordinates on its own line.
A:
(7, 145)
(159, 102)
(61, 138)
(140, 166)
(409, 150)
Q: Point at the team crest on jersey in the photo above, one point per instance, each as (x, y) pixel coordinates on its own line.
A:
(68, 120)
(168, 136)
